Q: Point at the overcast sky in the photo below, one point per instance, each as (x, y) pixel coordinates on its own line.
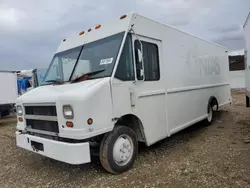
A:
(30, 31)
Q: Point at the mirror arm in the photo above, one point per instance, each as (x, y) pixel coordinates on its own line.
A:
(132, 29)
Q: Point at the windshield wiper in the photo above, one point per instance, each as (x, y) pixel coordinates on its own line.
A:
(87, 74)
(54, 81)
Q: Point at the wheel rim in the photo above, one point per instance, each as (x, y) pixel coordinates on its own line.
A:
(214, 107)
(123, 150)
(210, 114)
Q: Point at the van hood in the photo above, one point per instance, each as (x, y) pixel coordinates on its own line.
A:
(51, 93)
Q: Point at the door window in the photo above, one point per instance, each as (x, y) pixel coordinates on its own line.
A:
(151, 61)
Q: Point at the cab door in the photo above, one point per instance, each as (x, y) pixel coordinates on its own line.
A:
(150, 88)
(138, 87)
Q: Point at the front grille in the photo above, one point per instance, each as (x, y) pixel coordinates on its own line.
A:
(41, 110)
(43, 125)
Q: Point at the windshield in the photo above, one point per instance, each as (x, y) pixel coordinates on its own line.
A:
(91, 57)
(62, 65)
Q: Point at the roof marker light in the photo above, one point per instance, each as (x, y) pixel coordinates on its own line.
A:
(89, 30)
(97, 26)
(81, 33)
(64, 40)
(123, 16)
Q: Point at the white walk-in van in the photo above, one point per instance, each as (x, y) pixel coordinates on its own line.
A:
(128, 81)
(246, 29)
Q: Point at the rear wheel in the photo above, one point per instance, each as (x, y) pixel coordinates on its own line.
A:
(118, 150)
(210, 116)
(247, 101)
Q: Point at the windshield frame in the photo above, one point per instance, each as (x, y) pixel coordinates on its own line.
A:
(116, 57)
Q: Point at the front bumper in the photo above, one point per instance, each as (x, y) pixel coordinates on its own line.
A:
(78, 153)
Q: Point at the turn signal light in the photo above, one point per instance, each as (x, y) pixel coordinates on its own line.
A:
(123, 16)
(69, 124)
(20, 119)
(90, 121)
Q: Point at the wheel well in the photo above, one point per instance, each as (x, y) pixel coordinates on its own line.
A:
(133, 122)
(213, 102)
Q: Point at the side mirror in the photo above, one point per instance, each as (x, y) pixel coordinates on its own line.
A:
(139, 63)
(141, 73)
(139, 53)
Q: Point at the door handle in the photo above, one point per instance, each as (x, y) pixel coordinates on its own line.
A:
(132, 98)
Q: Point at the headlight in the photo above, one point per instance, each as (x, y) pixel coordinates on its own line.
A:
(19, 110)
(68, 112)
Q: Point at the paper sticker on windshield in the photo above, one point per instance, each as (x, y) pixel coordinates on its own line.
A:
(106, 61)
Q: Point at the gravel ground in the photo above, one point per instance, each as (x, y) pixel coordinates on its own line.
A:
(214, 156)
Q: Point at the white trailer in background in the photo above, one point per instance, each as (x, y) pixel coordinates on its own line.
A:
(129, 80)
(246, 28)
(8, 92)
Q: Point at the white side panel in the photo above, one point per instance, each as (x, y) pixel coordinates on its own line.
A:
(188, 60)
(149, 106)
(247, 51)
(193, 62)
(8, 87)
(152, 112)
(193, 69)
(187, 107)
(121, 96)
(237, 79)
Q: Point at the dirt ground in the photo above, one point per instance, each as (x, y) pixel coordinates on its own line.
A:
(214, 156)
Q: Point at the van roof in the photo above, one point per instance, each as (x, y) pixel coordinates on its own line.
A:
(246, 20)
(95, 33)
(172, 27)
(109, 28)
(8, 71)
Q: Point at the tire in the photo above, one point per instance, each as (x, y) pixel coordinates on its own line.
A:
(210, 118)
(247, 101)
(117, 145)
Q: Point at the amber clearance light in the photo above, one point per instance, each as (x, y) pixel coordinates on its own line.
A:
(123, 16)
(97, 26)
(81, 33)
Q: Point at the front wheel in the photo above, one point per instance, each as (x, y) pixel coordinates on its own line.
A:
(118, 150)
